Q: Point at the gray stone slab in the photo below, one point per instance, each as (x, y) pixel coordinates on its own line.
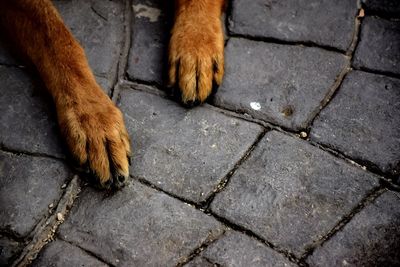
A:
(236, 249)
(99, 27)
(362, 120)
(62, 254)
(149, 41)
(27, 186)
(324, 22)
(9, 249)
(383, 7)
(282, 84)
(183, 151)
(371, 238)
(137, 226)
(291, 193)
(27, 121)
(379, 46)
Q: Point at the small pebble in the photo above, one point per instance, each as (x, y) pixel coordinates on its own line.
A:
(51, 206)
(63, 186)
(60, 217)
(303, 134)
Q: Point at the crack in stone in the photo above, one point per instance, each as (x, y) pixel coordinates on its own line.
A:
(196, 252)
(341, 76)
(46, 229)
(369, 198)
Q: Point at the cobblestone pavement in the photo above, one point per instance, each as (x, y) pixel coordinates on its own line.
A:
(294, 162)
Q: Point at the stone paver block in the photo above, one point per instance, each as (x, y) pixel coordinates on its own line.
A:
(149, 39)
(137, 226)
(63, 254)
(291, 193)
(362, 121)
(383, 7)
(324, 22)
(371, 238)
(183, 151)
(236, 249)
(27, 186)
(99, 27)
(27, 121)
(9, 249)
(379, 46)
(282, 84)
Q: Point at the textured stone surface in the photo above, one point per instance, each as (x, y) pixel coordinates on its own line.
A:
(324, 22)
(137, 226)
(291, 193)
(383, 7)
(362, 120)
(9, 249)
(149, 40)
(27, 121)
(63, 254)
(236, 249)
(183, 151)
(372, 238)
(282, 84)
(287, 192)
(378, 48)
(98, 26)
(27, 186)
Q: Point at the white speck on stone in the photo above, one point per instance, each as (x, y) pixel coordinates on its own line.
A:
(255, 105)
(60, 217)
(143, 11)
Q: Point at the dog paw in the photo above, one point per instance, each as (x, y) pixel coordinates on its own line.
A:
(196, 55)
(95, 132)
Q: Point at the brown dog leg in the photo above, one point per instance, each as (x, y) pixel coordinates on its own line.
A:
(196, 51)
(91, 124)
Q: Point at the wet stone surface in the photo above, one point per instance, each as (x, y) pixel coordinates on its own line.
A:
(282, 84)
(137, 226)
(291, 193)
(236, 249)
(183, 151)
(371, 238)
(324, 22)
(378, 49)
(362, 120)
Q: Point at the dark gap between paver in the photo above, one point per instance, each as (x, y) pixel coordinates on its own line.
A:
(369, 198)
(64, 254)
(287, 181)
(186, 152)
(237, 249)
(371, 238)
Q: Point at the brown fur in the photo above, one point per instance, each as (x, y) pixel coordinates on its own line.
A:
(196, 52)
(91, 124)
